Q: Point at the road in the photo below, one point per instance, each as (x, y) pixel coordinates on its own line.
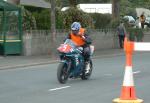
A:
(38, 84)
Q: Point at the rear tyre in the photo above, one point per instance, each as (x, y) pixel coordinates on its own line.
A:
(86, 76)
(62, 74)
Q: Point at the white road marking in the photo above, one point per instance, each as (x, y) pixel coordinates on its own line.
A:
(136, 72)
(54, 89)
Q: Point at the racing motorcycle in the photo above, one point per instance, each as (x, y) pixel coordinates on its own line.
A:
(72, 63)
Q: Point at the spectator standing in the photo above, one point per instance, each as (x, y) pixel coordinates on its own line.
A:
(121, 34)
(142, 20)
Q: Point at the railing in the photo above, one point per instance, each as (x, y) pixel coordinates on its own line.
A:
(58, 31)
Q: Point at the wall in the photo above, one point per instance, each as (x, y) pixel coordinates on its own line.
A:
(39, 42)
(36, 43)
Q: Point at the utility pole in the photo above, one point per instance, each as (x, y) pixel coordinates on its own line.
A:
(115, 9)
(53, 24)
(53, 27)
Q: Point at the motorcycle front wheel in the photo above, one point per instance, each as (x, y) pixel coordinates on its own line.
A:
(62, 73)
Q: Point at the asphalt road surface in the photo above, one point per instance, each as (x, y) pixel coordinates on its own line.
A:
(38, 84)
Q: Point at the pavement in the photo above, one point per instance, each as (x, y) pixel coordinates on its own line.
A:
(13, 61)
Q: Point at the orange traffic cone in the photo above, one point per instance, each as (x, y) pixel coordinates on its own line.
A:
(128, 94)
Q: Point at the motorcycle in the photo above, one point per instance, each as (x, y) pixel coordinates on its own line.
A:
(72, 63)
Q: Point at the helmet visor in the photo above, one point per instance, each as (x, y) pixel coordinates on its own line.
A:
(75, 32)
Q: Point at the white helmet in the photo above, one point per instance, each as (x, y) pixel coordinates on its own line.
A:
(75, 26)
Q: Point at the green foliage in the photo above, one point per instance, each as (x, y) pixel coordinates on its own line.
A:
(101, 20)
(42, 19)
(73, 14)
(59, 19)
(127, 7)
(75, 2)
(114, 23)
(35, 18)
(29, 21)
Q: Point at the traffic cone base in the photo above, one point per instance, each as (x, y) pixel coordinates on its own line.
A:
(118, 100)
(128, 93)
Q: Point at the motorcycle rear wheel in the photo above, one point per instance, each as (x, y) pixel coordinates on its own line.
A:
(62, 74)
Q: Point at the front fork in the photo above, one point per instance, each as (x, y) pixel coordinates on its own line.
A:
(68, 65)
(78, 65)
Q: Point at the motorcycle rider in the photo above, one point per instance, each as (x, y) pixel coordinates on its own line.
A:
(78, 36)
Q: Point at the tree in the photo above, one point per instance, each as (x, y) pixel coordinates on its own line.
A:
(73, 3)
(53, 28)
(101, 20)
(115, 9)
(53, 24)
(16, 2)
(73, 14)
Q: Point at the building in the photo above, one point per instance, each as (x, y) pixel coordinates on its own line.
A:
(34, 3)
(94, 8)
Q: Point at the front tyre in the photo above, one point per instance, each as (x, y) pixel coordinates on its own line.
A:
(62, 73)
(87, 73)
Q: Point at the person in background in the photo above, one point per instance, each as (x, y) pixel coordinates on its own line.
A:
(142, 20)
(121, 34)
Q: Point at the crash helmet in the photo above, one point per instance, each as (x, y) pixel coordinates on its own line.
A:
(75, 27)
